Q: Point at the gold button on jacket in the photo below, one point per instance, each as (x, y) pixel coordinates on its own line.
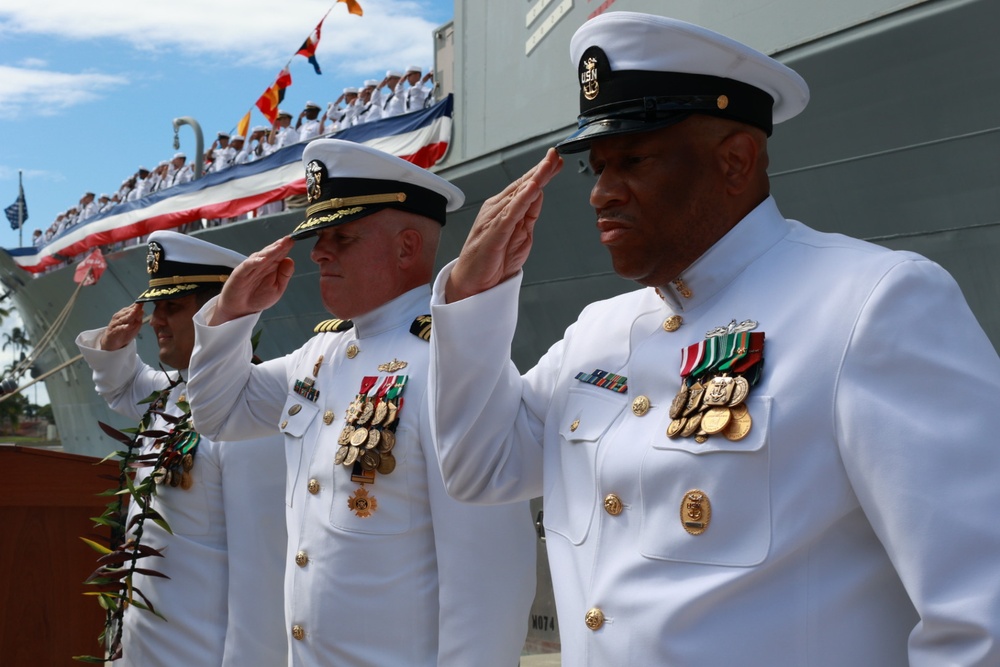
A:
(301, 558)
(594, 618)
(613, 504)
(298, 632)
(640, 406)
(313, 486)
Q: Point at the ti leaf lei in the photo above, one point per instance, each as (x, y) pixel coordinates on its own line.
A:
(171, 458)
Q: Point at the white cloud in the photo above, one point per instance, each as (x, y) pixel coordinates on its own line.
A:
(47, 92)
(259, 32)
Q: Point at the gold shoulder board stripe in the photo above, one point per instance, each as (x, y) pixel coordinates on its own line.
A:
(421, 327)
(333, 326)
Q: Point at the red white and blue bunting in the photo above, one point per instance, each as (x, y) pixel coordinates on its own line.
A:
(421, 137)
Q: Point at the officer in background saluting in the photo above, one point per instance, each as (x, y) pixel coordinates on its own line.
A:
(383, 568)
(825, 495)
(222, 600)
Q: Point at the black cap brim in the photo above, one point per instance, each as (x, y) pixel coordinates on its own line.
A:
(580, 140)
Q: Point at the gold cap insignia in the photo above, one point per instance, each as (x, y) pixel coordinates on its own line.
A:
(315, 175)
(588, 79)
(153, 255)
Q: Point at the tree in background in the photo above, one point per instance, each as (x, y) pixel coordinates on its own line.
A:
(16, 339)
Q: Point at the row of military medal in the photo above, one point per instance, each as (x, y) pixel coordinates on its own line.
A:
(176, 460)
(715, 406)
(370, 434)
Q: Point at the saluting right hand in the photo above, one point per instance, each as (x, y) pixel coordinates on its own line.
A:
(257, 283)
(123, 327)
(500, 238)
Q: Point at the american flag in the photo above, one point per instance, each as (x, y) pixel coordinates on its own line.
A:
(17, 212)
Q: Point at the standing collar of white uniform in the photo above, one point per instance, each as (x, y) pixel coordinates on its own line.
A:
(718, 267)
(393, 314)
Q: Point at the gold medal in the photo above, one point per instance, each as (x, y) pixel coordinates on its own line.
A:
(387, 442)
(359, 437)
(715, 420)
(338, 459)
(739, 426)
(345, 435)
(352, 455)
(373, 437)
(353, 410)
(391, 417)
(387, 464)
(366, 413)
(361, 503)
(679, 403)
(701, 438)
(370, 460)
(694, 399)
(381, 410)
(676, 426)
(719, 391)
(741, 388)
(691, 426)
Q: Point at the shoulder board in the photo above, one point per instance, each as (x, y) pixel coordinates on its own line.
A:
(333, 326)
(421, 327)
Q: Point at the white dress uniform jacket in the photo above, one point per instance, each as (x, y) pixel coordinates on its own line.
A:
(222, 601)
(308, 130)
(285, 136)
(394, 103)
(183, 175)
(422, 581)
(854, 525)
(415, 97)
(222, 158)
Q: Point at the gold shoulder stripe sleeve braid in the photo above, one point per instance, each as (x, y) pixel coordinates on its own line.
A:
(421, 327)
(333, 326)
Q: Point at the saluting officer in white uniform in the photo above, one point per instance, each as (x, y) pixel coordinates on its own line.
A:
(180, 171)
(414, 96)
(383, 568)
(221, 154)
(781, 451)
(309, 128)
(224, 558)
(368, 107)
(390, 103)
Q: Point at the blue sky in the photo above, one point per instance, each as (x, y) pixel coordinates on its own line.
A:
(88, 91)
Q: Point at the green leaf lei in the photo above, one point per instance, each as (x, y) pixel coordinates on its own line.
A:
(171, 459)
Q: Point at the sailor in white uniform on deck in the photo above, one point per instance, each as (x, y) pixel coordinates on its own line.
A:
(383, 568)
(824, 497)
(224, 559)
